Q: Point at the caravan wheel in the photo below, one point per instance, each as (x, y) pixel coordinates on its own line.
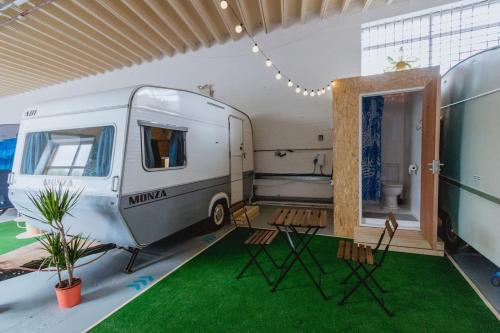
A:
(451, 239)
(219, 215)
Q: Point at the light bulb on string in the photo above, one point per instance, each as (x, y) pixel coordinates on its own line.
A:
(328, 88)
(290, 83)
(312, 93)
(223, 4)
(323, 91)
(305, 93)
(269, 63)
(333, 83)
(255, 48)
(238, 28)
(318, 92)
(278, 75)
(297, 90)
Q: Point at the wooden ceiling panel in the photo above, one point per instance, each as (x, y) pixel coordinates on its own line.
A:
(45, 42)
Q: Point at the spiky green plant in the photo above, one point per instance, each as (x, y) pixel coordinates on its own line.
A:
(53, 203)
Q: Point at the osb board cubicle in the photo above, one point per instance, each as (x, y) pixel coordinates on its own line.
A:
(346, 137)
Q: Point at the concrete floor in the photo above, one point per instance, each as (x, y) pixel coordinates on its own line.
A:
(28, 304)
(480, 270)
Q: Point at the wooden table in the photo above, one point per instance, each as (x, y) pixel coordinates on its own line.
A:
(288, 221)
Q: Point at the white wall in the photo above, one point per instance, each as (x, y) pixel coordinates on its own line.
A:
(312, 54)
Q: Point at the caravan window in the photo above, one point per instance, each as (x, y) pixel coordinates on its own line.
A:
(164, 148)
(72, 152)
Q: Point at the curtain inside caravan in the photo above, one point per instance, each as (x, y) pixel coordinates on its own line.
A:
(371, 162)
(7, 150)
(99, 162)
(33, 150)
(177, 154)
(149, 152)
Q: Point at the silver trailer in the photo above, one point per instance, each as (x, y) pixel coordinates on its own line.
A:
(469, 189)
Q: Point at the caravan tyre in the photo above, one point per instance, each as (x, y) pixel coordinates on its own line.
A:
(451, 239)
(220, 214)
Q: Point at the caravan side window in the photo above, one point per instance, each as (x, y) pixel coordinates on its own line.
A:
(163, 148)
(70, 152)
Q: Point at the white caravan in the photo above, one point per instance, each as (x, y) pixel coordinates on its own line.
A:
(151, 161)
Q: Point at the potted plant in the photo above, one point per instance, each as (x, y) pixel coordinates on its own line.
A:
(53, 204)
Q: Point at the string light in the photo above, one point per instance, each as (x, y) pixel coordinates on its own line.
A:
(256, 49)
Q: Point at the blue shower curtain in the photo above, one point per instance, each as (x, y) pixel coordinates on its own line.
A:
(33, 149)
(176, 154)
(7, 150)
(101, 154)
(371, 164)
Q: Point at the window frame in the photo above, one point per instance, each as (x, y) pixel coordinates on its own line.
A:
(67, 142)
(153, 124)
(112, 158)
(430, 37)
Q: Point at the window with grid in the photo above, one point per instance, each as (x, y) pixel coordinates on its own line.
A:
(441, 36)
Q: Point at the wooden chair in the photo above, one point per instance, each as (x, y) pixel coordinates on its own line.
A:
(359, 257)
(258, 238)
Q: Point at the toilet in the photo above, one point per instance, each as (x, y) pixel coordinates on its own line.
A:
(390, 193)
(391, 186)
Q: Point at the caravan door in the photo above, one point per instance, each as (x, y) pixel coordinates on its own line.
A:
(236, 154)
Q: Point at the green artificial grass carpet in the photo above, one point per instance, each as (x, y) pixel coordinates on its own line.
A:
(8, 240)
(427, 294)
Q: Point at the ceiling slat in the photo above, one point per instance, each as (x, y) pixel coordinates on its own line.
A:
(245, 15)
(284, 13)
(324, 8)
(345, 6)
(157, 25)
(173, 22)
(103, 40)
(187, 14)
(27, 53)
(45, 24)
(303, 10)
(228, 19)
(32, 40)
(264, 13)
(129, 17)
(122, 28)
(64, 40)
(202, 10)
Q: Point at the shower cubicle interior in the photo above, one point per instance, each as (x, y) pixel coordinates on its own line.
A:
(390, 161)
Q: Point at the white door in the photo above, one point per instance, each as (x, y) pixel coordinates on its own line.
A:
(236, 153)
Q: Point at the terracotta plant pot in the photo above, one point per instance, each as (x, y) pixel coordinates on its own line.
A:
(68, 297)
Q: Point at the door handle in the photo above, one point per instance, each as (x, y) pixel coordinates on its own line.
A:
(435, 166)
(115, 181)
